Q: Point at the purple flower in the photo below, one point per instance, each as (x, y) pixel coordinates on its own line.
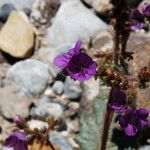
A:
(19, 120)
(145, 9)
(134, 120)
(137, 20)
(118, 100)
(17, 141)
(77, 64)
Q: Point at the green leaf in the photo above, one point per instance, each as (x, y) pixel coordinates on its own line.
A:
(90, 126)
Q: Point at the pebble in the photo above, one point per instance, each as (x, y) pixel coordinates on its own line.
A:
(46, 110)
(13, 102)
(37, 124)
(30, 75)
(58, 87)
(17, 36)
(61, 141)
(72, 89)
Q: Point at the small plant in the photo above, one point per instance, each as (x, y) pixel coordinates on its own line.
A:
(127, 16)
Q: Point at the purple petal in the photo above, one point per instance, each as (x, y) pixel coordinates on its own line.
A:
(86, 74)
(77, 46)
(142, 113)
(137, 26)
(81, 67)
(130, 130)
(20, 135)
(10, 141)
(144, 124)
(123, 121)
(61, 61)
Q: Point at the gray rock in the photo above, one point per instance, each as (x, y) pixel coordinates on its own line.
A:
(73, 21)
(61, 141)
(47, 55)
(46, 110)
(30, 75)
(145, 148)
(13, 102)
(37, 124)
(72, 89)
(43, 100)
(5, 10)
(20, 5)
(58, 87)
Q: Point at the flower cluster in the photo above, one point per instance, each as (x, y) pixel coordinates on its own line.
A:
(17, 140)
(137, 17)
(134, 120)
(131, 120)
(76, 63)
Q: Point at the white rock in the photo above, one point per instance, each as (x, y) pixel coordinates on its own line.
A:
(17, 35)
(30, 75)
(37, 124)
(73, 21)
(46, 110)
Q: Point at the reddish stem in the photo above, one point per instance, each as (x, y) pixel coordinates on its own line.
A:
(106, 126)
(116, 48)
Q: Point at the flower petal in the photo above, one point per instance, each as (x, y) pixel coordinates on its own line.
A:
(130, 130)
(77, 46)
(144, 124)
(142, 113)
(61, 61)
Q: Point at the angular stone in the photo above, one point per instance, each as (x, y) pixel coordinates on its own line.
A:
(17, 36)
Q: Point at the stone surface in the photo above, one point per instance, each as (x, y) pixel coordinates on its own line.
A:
(37, 124)
(46, 110)
(30, 75)
(66, 28)
(18, 3)
(72, 89)
(47, 55)
(13, 102)
(99, 5)
(61, 141)
(58, 87)
(43, 11)
(17, 35)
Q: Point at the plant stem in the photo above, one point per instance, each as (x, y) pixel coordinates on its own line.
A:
(116, 48)
(107, 122)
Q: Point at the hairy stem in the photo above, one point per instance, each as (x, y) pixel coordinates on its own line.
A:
(116, 48)
(107, 122)
(123, 48)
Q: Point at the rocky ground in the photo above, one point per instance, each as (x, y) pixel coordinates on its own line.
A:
(32, 34)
